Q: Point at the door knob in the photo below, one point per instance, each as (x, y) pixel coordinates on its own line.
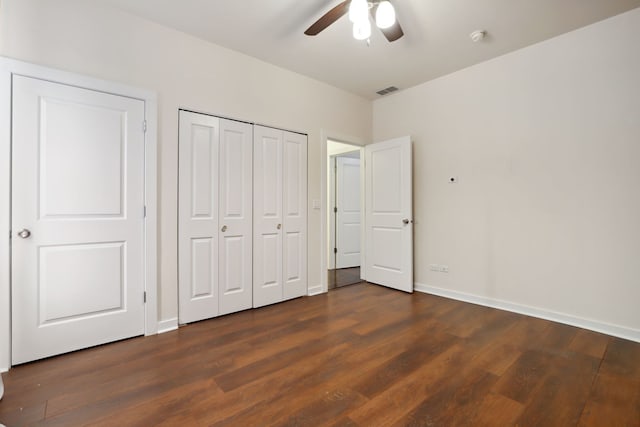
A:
(405, 221)
(224, 228)
(279, 226)
(24, 233)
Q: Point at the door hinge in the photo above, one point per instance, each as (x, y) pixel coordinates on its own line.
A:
(144, 297)
(335, 209)
(144, 126)
(144, 212)
(335, 250)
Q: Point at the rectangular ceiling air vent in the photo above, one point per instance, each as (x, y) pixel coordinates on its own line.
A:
(387, 90)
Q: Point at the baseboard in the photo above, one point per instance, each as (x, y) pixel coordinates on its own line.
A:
(605, 328)
(316, 290)
(167, 325)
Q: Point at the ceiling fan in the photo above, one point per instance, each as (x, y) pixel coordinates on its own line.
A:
(359, 10)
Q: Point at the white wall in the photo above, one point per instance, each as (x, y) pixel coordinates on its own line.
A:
(545, 142)
(82, 37)
(334, 148)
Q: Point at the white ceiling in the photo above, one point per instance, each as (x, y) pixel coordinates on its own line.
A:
(436, 40)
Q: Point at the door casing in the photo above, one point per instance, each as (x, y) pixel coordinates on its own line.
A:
(11, 67)
(325, 137)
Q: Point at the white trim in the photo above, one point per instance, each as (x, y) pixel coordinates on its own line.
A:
(151, 221)
(580, 322)
(325, 136)
(331, 170)
(167, 325)
(9, 67)
(316, 290)
(5, 215)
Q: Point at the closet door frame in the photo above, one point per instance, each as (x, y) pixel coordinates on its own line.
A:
(296, 224)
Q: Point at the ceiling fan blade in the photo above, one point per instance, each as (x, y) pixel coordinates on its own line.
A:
(328, 18)
(392, 33)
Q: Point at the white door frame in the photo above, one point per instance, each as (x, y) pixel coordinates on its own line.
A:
(325, 136)
(10, 67)
(331, 171)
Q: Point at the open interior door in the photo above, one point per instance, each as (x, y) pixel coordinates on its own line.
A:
(388, 214)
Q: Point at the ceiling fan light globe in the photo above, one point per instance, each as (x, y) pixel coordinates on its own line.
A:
(362, 30)
(385, 15)
(358, 10)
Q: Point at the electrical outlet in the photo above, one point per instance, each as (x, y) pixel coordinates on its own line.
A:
(439, 268)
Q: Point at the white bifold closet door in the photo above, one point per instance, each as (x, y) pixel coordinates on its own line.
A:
(215, 216)
(280, 216)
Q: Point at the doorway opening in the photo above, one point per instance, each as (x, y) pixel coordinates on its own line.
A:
(344, 214)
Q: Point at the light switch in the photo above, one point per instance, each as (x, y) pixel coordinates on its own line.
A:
(315, 203)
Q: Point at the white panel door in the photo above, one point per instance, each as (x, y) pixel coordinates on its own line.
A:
(198, 217)
(267, 216)
(77, 218)
(388, 214)
(348, 212)
(236, 216)
(294, 199)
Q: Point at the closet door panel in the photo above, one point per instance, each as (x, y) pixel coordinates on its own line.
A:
(235, 213)
(295, 214)
(198, 217)
(267, 208)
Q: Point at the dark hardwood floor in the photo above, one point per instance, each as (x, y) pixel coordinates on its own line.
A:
(362, 355)
(343, 277)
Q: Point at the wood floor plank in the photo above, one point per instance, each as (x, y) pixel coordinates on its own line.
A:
(590, 343)
(524, 376)
(157, 376)
(246, 374)
(345, 368)
(402, 365)
(24, 415)
(614, 401)
(497, 410)
(155, 409)
(206, 411)
(396, 401)
(498, 354)
(463, 323)
(455, 403)
(323, 411)
(560, 398)
(88, 413)
(622, 359)
(361, 355)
